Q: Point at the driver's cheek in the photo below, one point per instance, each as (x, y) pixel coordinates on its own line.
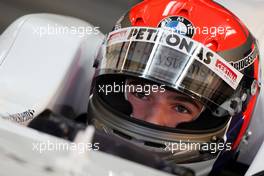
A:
(150, 112)
(139, 108)
(160, 115)
(180, 118)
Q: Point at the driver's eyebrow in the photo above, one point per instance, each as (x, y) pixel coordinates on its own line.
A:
(185, 99)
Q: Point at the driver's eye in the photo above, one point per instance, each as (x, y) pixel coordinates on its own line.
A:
(182, 109)
(140, 95)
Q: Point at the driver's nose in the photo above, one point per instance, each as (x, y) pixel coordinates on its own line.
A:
(157, 115)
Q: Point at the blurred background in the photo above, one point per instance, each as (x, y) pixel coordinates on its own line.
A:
(102, 13)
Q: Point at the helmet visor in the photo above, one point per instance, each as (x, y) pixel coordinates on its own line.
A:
(174, 60)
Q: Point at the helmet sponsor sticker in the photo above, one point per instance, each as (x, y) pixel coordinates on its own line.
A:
(20, 117)
(226, 70)
(185, 45)
(179, 25)
(247, 61)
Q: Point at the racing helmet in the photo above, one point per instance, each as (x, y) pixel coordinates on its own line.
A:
(194, 47)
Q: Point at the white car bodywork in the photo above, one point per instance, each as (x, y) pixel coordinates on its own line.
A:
(20, 156)
(46, 64)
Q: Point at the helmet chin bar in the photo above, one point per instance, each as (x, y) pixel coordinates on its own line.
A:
(155, 139)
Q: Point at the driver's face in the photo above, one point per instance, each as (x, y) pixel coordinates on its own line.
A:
(167, 108)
